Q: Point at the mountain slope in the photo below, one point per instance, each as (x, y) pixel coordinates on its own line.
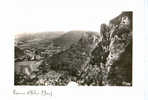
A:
(68, 38)
(77, 56)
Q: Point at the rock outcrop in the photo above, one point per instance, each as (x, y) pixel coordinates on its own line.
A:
(113, 55)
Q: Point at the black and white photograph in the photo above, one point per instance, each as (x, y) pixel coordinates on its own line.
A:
(73, 50)
(77, 57)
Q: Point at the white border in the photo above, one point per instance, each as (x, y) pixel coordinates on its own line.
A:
(103, 93)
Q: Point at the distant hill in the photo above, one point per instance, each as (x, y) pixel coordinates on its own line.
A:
(69, 38)
(36, 40)
(40, 35)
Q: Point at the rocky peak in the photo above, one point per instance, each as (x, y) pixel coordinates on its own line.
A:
(116, 40)
(124, 19)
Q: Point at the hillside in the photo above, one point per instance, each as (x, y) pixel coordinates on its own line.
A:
(76, 56)
(69, 38)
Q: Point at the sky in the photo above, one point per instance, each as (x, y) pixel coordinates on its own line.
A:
(64, 15)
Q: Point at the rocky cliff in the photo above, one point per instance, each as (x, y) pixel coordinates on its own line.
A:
(113, 55)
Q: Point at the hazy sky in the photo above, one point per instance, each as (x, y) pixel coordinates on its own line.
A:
(65, 15)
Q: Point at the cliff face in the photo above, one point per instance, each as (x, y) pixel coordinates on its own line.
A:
(113, 55)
